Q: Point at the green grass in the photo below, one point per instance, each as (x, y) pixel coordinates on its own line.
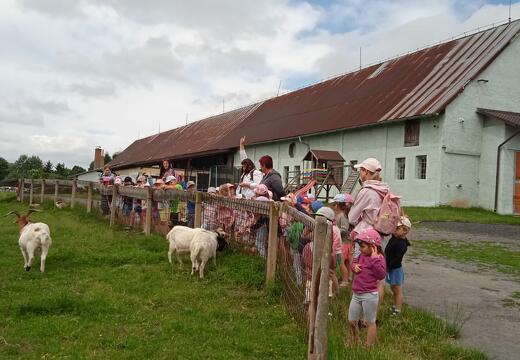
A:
(110, 294)
(448, 213)
(414, 334)
(497, 256)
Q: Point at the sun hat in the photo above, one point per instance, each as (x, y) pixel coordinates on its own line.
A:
(117, 181)
(169, 179)
(261, 189)
(404, 221)
(311, 196)
(339, 198)
(349, 199)
(370, 164)
(141, 178)
(370, 236)
(212, 190)
(159, 181)
(327, 212)
(190, 184)
(316, 205)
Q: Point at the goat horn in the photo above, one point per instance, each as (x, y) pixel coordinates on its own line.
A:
(13, 212)
(31, 211)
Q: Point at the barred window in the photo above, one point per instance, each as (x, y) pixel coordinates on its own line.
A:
(420, 167)
(411, 133)
(400, 168)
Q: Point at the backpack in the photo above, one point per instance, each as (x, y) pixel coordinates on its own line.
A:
(389, 214)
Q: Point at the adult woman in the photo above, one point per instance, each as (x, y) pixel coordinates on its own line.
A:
(250, 177)
(166, 170)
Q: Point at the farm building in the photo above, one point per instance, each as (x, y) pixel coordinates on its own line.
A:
(443, 121)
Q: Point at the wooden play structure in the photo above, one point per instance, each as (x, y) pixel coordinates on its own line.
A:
(322, 170)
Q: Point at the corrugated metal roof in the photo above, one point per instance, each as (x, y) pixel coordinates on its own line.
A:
(324, 155)
(509, 117)
(414, 85)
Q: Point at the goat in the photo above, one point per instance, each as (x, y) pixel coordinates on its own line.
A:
(33, 236)
(202, 248)
(180, 238)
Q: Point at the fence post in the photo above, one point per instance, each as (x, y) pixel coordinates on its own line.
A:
(42, 192)
(56, 190)
(22, 190)
(148, 219)
(113, 205)
(89, 196)
(272, 245)
(31, 192)
(322, 310)
(198, 210)
(320, 233)
(73, 194)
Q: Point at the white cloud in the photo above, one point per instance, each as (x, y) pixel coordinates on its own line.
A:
(76, 74)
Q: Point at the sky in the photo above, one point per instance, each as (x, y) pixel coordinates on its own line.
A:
(79, 74)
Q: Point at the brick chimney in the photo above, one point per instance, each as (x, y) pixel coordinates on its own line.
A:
(99, 158)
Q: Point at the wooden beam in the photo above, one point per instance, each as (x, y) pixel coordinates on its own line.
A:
(272, 247)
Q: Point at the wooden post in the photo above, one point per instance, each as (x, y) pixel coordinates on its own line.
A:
(272, 247)
(322, 311)
(73, 194)
(42, 192)
(148, 219)
(320, 233)
(198, 210)
(89, 196)
(22, 190)
(113, 205)
(56, 191)
(31, 192)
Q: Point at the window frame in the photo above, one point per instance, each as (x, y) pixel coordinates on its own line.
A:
(412, 133)
(400, 172)
(420, 170)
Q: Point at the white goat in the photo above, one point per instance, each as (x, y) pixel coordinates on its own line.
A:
(33, 237)
(202, 248)
(180, 239)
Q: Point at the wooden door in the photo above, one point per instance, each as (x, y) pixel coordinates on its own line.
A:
(516, 196)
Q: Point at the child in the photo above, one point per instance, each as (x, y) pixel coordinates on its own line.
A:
(394, 252)
(369, 267)
(339, 205)
(191, 187)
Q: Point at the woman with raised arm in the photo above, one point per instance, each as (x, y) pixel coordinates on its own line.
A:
(250, 177)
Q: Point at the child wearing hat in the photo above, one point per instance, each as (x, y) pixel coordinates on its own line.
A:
(394, 253)
(369, 267)
(340, 207)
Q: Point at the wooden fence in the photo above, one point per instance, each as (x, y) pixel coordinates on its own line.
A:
(317, 311)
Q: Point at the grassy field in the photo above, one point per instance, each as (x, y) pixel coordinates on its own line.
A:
(496, 256)
(112, 294)
(448, 213)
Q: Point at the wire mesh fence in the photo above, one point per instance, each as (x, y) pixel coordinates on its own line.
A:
(294, 261)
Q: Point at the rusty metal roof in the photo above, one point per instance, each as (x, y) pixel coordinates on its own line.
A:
(509, 117)
(324, 155)
(418, 84)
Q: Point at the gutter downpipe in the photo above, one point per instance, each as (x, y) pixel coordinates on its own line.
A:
(498, 167)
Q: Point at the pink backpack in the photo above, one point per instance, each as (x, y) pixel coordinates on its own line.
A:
(389, 214)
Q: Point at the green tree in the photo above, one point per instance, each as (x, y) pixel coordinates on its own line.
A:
(108, 158)
(61, 170)
(26, 167)
(77, 170)
(91, 166)
(4, 168)
(48, 167)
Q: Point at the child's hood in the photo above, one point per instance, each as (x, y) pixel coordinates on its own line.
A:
(379, 186)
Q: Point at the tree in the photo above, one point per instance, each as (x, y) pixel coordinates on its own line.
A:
(107, 158)
(48, 167)
(91, 166)
(77, 170)
(26, 167)
(4, 168)
(61, 170)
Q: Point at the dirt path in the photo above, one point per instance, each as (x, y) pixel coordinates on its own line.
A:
(465, 294)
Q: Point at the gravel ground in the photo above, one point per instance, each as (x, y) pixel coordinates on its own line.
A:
(477, 298)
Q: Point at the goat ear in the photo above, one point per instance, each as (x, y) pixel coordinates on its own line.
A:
(31, 211)
(13, 212)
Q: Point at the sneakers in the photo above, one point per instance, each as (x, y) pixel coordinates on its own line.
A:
(395, 311)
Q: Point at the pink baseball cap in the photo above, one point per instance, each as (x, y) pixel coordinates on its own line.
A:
(261, 190)
(370, 164)
(349, 199)
(370, 236)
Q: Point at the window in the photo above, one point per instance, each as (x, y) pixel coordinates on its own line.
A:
(297, 173)
(352, 163)
(420, 167)
(291, 149)
(411, 133)
(399, 168)
(286, 174)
